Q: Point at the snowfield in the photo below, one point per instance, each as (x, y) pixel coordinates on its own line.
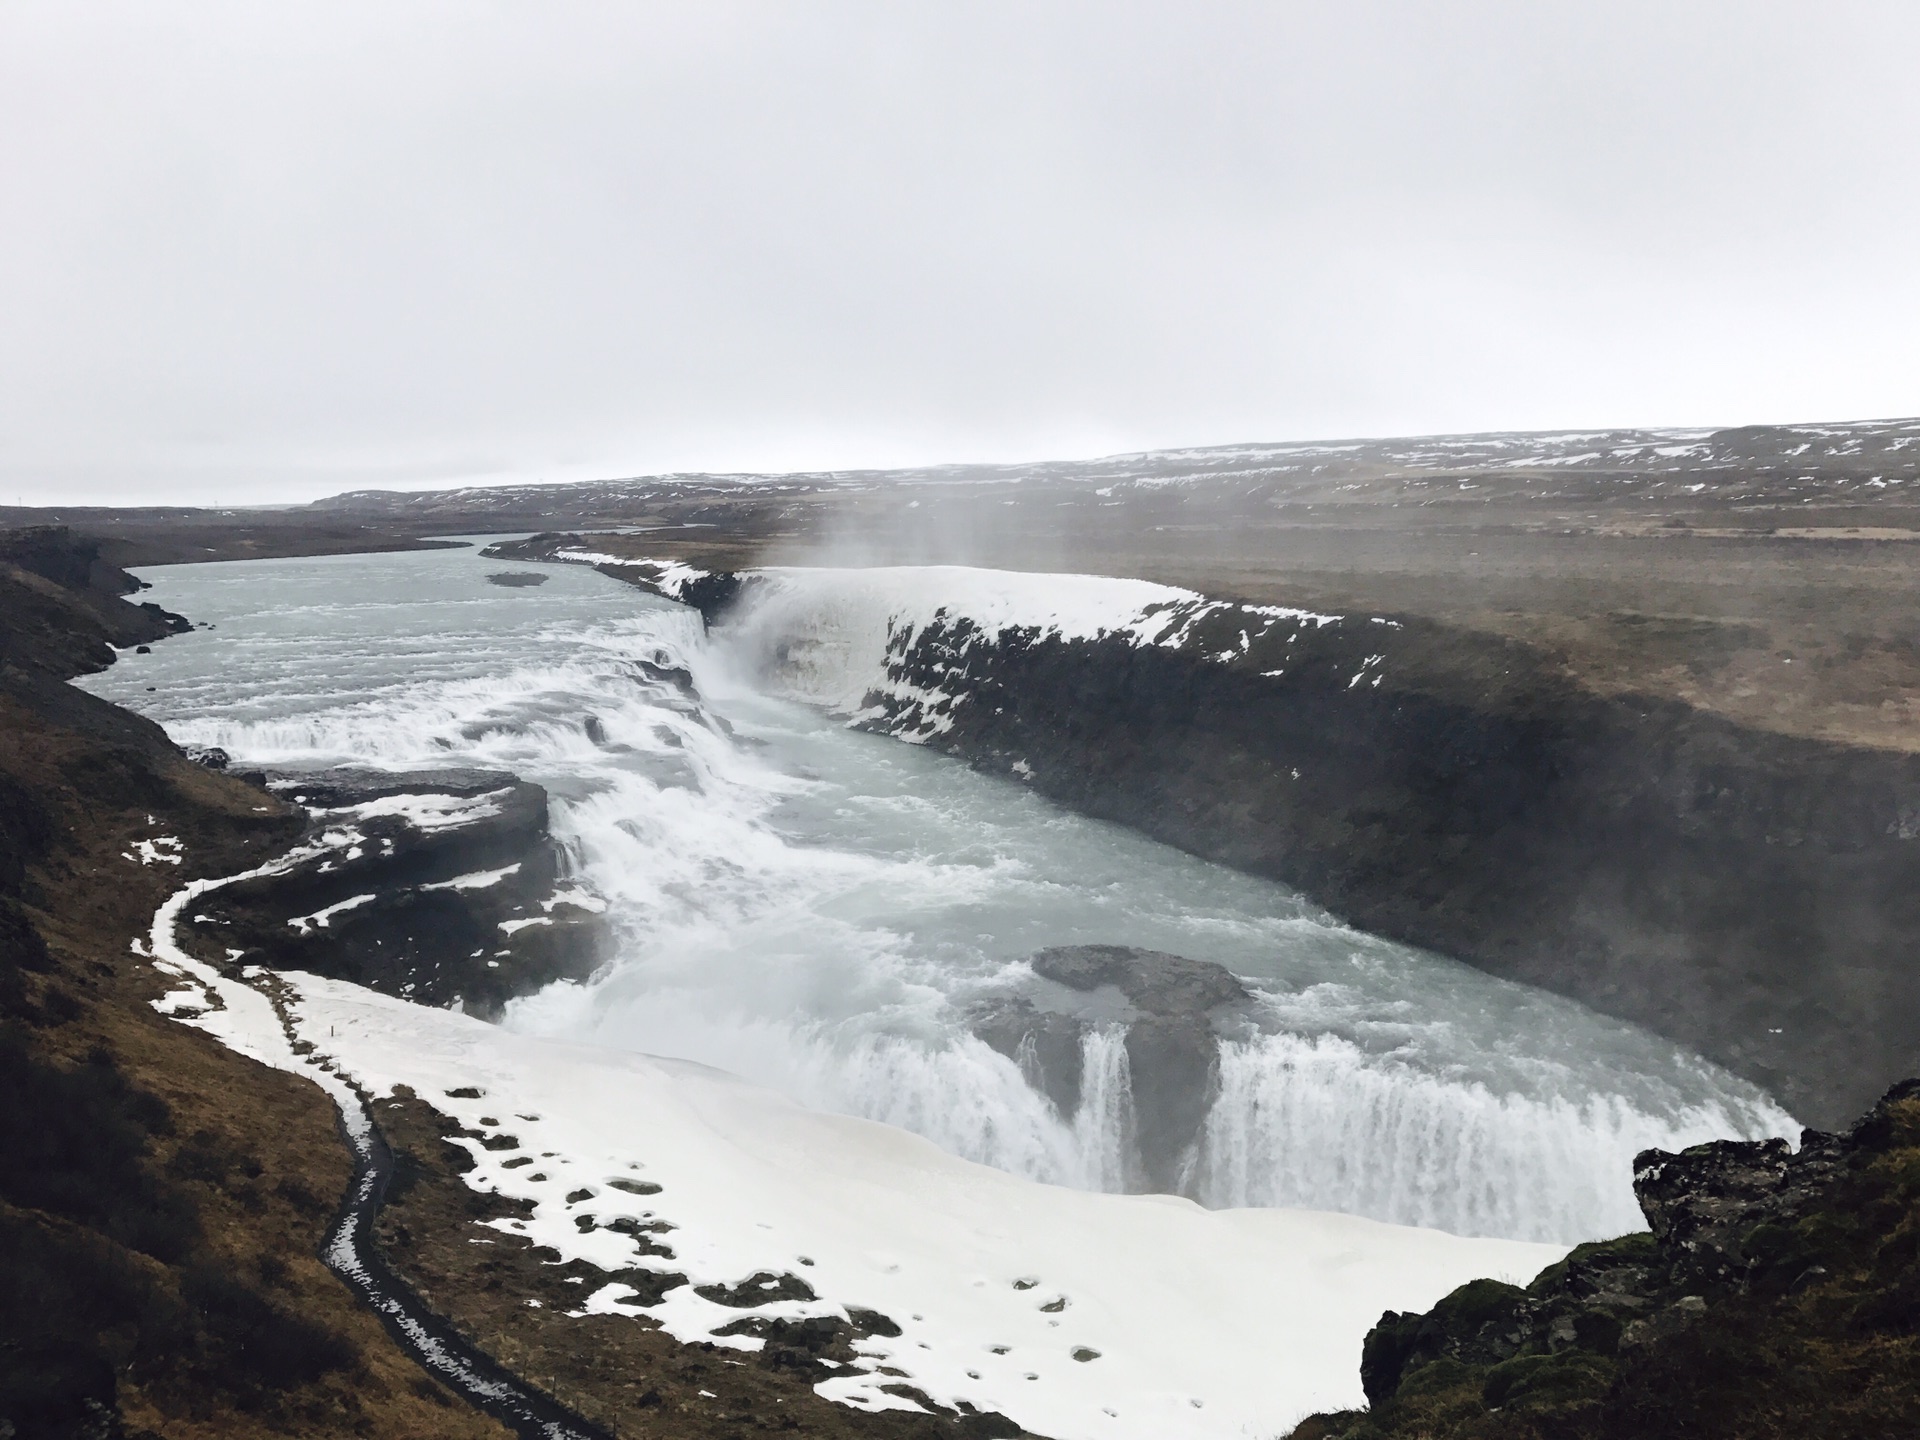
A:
(1076, 1314)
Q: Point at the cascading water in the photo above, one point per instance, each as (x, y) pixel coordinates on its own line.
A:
(821, 910)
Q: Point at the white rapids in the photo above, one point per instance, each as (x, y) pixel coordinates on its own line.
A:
(815, 909)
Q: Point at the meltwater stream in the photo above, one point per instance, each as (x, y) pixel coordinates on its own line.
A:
(818, 909)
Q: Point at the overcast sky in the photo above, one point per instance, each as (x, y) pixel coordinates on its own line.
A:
(270, 251)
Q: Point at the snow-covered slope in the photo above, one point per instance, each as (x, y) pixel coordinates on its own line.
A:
(1863, 456)
(1076, 1314)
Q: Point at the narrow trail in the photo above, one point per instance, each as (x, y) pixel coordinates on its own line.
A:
(351, 1253)
(349, 1249)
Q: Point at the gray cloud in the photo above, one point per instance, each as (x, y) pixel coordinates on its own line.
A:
(260, 252)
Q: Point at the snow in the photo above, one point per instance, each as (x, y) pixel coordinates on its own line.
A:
(424, 812)
(160, 850)
(478, 880)
(671, 578)
(1062, 606)
(577, 897)
(1256, 1314)
(590, 557)
(319, 918)
(1197, 1323)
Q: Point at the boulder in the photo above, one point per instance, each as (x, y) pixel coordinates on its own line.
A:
(1172, 1008)
(436, 886)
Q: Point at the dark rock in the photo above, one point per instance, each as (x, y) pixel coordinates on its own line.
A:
(517, 579)
(1045, 1045)
(712, 595)
(1158, 983)
(760, 1288)
(635, 1187)
(1171, 1009)
(211, 756)
(452, 913)
(872, 1322)
(650, 1286)
(674, 677)
(1174, 1063)
(1771, 1284)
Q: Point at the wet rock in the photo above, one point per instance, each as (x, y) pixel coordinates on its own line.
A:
(1046, 1046)
(1172, 1008)
(674, 677)
(447, 896)
(517, 579)
(1155, 981)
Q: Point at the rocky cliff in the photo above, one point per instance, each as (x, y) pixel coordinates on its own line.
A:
(1778, 1294)
(1171, 1013)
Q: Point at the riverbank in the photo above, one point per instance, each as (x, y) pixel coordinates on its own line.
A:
(161, 1240)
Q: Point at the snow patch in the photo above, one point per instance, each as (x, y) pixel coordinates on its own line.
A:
(425, 812)
(478, 880)
(160, 850)
(320, 918)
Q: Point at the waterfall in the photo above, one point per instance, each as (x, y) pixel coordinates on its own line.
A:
(821, 911)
